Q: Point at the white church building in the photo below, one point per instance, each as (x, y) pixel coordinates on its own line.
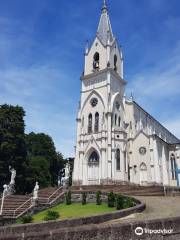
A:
(117, 140)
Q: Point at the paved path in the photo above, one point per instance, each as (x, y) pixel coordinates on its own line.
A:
(156, 207)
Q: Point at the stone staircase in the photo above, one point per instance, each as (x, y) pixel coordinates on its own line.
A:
(49, 196)
(133, 190)
(17, 205)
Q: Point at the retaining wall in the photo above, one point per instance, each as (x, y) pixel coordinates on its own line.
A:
(38, 228)
(117, 231)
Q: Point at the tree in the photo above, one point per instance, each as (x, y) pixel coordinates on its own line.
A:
(98, 198)
(119, 202)
(44, 162)
(84, 197)
(12, 145)
(111, 199)
(33, 156)
(68, 198)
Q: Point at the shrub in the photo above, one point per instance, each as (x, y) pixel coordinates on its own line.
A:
(70, 181)
(98, 198)
(84, 196)
(129, 202)
(51, 215)
(119, 202)
(68, 198)
(26, 219)
(111, 199)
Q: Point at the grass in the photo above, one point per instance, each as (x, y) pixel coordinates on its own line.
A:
(75, 210)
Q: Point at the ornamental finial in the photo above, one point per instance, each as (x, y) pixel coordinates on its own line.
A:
(104, 5)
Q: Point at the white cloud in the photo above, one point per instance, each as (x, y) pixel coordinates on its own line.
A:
(160, 81)
(39, 90)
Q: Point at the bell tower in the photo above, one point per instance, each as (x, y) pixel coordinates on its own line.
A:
(101, 135)
(104, 51)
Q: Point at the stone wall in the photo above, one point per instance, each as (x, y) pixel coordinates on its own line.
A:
(38, 228)
(118, 231)
(172, 191)
(91, 197)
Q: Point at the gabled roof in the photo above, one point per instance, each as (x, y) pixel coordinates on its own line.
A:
(104, 32)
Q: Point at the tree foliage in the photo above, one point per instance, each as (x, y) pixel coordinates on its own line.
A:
(33, 155)
(44, 162)
(98, 198)
(12, 145)
(111, 199)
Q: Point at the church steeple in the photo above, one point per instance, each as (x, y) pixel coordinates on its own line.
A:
(104, 32)
(104, 52)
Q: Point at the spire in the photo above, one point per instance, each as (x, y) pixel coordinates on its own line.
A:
(104, 6)
(104, 31)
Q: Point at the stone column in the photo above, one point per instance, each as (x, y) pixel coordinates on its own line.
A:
(164, 167)
(104, 173)
(109, 146)
(156, 162)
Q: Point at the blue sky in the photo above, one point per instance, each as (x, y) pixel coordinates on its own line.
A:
(41, 59)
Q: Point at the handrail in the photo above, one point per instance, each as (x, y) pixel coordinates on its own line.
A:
(56, 197)
(2, 202)
(30, 199)
(54, 193)
(23, 211)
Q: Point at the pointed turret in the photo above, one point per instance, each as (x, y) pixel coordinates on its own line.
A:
(104, 32)
(104, 52)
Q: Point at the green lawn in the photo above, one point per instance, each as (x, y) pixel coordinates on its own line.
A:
(76, 210)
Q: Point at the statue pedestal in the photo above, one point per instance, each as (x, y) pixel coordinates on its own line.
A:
(10, 189)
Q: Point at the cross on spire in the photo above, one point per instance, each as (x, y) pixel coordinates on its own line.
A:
(104, 32)
(104, 5)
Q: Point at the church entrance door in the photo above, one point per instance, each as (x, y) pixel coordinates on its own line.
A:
(143, 174)
(93, 169)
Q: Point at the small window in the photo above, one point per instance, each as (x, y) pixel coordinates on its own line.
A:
(115, 119)
(90, 123)
(115, 62)
(118, 167)
(96, 61)
(119, 121)
(96, 127)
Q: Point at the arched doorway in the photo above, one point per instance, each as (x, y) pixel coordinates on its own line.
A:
(143, 174)
(93, 168)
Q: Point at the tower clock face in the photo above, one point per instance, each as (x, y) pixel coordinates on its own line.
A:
(94, 102)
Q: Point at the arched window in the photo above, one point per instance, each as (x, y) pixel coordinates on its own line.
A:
(118, 166)
(96, 126)
(115, 119)
(90, 123)
(96, 61)
(173, 167)
(93, 158)
(115, 62)
(119, 121)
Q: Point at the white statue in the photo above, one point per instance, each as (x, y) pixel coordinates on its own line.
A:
(5, 191)
(67, 171)
(13, 175)
(35, 191)
(59, 182)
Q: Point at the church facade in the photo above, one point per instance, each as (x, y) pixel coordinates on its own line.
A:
(117, 140)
